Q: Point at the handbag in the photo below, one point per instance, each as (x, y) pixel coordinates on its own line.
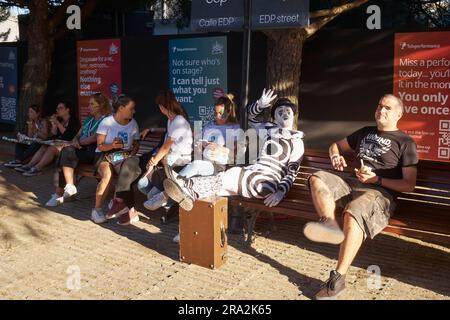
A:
(117, 157)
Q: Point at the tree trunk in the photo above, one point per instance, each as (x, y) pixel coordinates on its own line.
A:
(284, 59)
(36, 71)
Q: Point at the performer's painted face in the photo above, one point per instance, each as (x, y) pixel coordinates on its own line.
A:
(284, 117)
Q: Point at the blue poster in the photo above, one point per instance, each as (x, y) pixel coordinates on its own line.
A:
(8, 84)
(198, 74)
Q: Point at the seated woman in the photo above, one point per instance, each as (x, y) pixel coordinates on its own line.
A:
(216, 156)
(117, 146)
(81, 150)
(64, 126)
(37, 127)
(176, 150)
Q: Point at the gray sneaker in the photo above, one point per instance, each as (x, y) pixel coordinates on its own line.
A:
(13, 164)
(332, 287)
(180, 190)
(32, 172)
(23, 168)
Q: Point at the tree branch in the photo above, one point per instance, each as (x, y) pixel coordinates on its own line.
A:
(430, 17)
(329, 15)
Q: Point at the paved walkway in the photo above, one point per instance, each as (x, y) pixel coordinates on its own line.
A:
(60, 254)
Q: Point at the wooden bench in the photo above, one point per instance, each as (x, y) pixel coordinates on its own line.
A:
(146, 145)
(423, 213)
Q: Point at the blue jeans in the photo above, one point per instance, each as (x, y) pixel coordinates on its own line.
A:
(195, 168)
(198, 168)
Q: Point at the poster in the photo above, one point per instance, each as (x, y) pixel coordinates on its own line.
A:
(226, 15)
(422, 81)
(197, 71)
(8, 84)
(280, 14)
(222, 15)
(99, 70)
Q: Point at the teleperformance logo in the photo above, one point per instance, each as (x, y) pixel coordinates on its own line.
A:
(413, 46)
(12, 56)
(113, 49)
(176, 49)
(88, 49)
(217, 48)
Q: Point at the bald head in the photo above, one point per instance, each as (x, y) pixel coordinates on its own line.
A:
(395, 102)
(389, 112)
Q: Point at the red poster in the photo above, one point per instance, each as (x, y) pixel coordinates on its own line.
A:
(422, 81)
(99, 70)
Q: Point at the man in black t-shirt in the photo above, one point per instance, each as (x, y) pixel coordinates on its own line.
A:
(387, 160)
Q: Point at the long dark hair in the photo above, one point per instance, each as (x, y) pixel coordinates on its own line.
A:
(121, 101)
(167, 99)
(69, 105)
(36, 108)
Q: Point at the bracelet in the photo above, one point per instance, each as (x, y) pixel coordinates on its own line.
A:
(152, 162)
(379, 182)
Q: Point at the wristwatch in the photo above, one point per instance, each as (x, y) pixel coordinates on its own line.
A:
(379, 181)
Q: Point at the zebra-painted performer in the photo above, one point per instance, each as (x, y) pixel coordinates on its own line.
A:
(270, 178)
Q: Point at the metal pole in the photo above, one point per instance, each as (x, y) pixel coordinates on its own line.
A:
(246, 63)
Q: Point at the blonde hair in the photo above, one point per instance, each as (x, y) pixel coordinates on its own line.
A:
(104, 107)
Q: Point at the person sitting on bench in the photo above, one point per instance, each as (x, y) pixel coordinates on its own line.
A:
(37, 127)
(81, 150)
(388, 160)
(176, 150)
(64, 126)
(117, 146)
(270, 178)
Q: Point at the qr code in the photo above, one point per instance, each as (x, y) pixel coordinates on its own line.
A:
(205, 113)
(444, 125)
(202, 111)
(8, 109)
(444, 139)
(443, 153)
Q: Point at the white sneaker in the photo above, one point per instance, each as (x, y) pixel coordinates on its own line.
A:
(54, 201)
(110, 204)
(152, 192)
(176, 239)
(157, 201)
(97, 216)
(325, 230)
(69, 191)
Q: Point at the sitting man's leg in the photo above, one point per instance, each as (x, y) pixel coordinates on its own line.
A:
(326, 188)
(367, 214)
(354, 237)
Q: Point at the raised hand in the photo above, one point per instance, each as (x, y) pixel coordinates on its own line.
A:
(267, 97)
